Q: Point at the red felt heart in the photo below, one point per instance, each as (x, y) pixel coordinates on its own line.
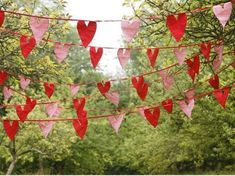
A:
(86, 32)
(168, 105)
(95, 55)
(152, 55)
(22, 112)
(31, 103)
(193, 66)
(152, 117)
(221, 95)
(27, 45)
(11, 128)
(80, 126)
(205, 50)
(49, 89)
(2, 17)
(177, 26)
(79, 104)
(81, 114)
(214, 82)
(143, 91)
(3, 77)
(104, 88)
(137, 81)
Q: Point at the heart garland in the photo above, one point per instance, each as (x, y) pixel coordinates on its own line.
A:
(116, 121)
(152, 117)
(123, 56)
(11, 128)
(95, 55)
(177, 26)
(27, 44)
(39, 27)
(140, 86)
(3, 77)
(221, 95)
(152, 55)
(130, 29)
(49, 89)
(86, 32)
(104, 87)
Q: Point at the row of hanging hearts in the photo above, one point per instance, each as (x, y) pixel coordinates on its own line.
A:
(80, 124)
(130, 28)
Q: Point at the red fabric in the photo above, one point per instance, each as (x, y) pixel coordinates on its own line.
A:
(152, 55)
(221, 95)
(79, 104)
(193, 66)
(152, 117)
(49, 89)
(205, 50)
(104, 87)
(27, 44)
(95, 55)
(140, 86)
(3, 77)
(214, 82)
(11, 128)
(168, 105)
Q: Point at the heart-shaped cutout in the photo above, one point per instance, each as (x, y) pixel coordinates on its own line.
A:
(22, 112)
(180, 54)
(61, 51)
(168, 105)
(221, 95)
(152, 55)
(123, 56)
(177, 25)
(27, 44)
(187, 107)
(152, 117)
(80, 126)
(46, 127)
(137, 82)
(214, 82)
(116, 121)
(113, 97)
(205, 50)
(130, 29)
(49, 89)
(52, 109)
(86, 32)
(7, 93)
(24, 82)
(74, 88)
(11, 128)
(193, 66)
(223, 12)
(95, 55)
(104, 87)
(79, 104)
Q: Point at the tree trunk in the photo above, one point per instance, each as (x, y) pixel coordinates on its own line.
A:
(12, 166)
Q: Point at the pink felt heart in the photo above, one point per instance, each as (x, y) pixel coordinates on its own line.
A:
(27, 44)
(223, 12)
(11, 128)
(39, 26)
(61, 51)
(180, 54)
(74, 88)
(130, 29)
(24, 82)
(187, 108)
(113, 97)
(123, 56)
(116, 121)
(190, 94)
(7, 92)
(219, 51)
(216, 64)
(46, 127)
(53, 109)
(141, 111)
(167, 79)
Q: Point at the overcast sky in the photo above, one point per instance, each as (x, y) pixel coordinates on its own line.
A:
(107, 34)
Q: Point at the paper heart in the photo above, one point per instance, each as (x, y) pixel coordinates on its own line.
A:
(39, 27)
(216, 64)
(95, 55)
(152, 55)
(180, 54)
(86, 32)
(22, 112)
(187, 108)
(219, 50)
(123, 56)
(2, 17)
(177, 26)
(193, 66)
(24, 82)
(223, 12)
(49, 88)
(3, 77)
(27, 44)
(11, 128)
(113, 97)
(190, 94)
(31, 103)
(80, 126)
(52, 109)
(205, 50)
(104, 87)
(152, 117)
(214, 82)
(116, 121)
(74, 88)
(168, 105)
(141, 111)
(137, 81)
(79, 104)
(7, 92)
(167, 79)
(61, 51)
(221, 95)
(130, 29)
(46, 127)
(143, 91)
